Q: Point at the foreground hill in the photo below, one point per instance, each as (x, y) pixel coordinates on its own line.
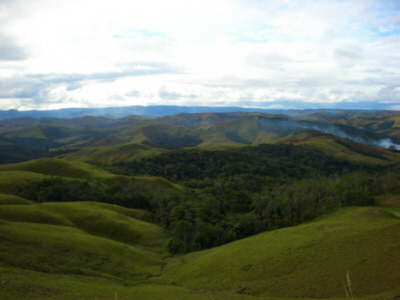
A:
(58, 250)
(63, 249)
(305, 261)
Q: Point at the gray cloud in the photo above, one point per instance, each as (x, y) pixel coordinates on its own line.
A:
(37, 86)
(167, 95)
(171, 95)
(10, 51)
(347, 54)
(127, 70)
(390, 92)
(133, 93)
(74, 86)
(20, 87)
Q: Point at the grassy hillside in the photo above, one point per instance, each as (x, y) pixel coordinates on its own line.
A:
(70, 250)
(197, 120)
(13, 200)
(113, 222)
(10, 179)
(77, 250)
(81, 251)
(61, 168)
(345, 149)
(306, 261)
(12, 175)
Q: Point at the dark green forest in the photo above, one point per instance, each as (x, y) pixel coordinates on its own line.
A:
(230, 194)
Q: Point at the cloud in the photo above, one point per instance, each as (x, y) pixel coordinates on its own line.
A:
(133, 93)
(96, 53)
(165, 94)
(10, 51)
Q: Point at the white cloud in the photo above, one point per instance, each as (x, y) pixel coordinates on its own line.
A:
(102, 53)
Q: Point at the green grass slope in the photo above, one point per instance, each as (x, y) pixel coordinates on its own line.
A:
(12, 175)
(81, 251)
(104, 220)
(100, 251)
(57, 167)
(342, 148)
(305, 261)
(84, 242)
(61, 168)
(34, 131)
(197, 120)
(10, 179)
(13, 200)
(65, 250)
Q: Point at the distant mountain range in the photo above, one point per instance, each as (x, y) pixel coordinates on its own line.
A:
(120, 112)
(88, 138)
(158, 111)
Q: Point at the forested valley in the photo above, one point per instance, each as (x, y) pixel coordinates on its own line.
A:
(226, 195)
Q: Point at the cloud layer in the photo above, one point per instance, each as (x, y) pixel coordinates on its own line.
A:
(276, 54)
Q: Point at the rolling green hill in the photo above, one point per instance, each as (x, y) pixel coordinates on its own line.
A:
(301, 262)
(86, 251)
(11, 200)
(344, 148)
(99, 219)
(13, 175)
(60, 244)
(61, 168)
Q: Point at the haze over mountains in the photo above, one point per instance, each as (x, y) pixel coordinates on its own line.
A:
(166, 110)
(120, 112)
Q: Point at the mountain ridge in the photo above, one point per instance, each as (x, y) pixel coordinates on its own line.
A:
(165, 110)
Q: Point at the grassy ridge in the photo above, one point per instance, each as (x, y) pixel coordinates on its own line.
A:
(9, 179)
(12, 175)
(57, 167)
(115, 223)
(13, 200)
(304, 261)
(329, 145)
(82, 242)
(67, 250)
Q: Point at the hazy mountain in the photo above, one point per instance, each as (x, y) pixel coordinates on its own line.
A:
(120, 112)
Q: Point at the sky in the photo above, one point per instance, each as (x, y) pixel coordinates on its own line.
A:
(252, 53)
